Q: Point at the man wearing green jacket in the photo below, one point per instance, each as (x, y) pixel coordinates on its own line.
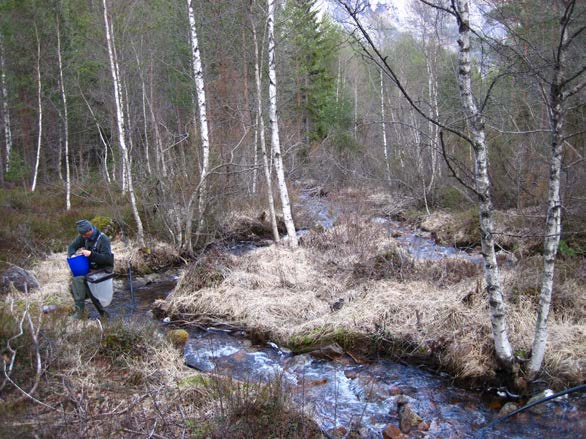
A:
(94, 245)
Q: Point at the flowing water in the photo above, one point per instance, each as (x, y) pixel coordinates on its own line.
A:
(340, 395)
(346, 394)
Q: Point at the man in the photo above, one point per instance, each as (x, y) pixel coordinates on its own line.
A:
(95, 245)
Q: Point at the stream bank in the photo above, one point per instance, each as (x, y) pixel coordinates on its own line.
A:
(355, 280)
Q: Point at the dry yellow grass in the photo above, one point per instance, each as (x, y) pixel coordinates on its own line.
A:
(289, 294)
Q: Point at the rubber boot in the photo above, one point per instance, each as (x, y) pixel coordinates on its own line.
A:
(103, 313)
(79, 313)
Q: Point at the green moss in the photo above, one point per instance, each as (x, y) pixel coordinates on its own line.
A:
(178, 337)
(194, 381)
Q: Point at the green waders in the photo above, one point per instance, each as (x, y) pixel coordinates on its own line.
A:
(80, 291)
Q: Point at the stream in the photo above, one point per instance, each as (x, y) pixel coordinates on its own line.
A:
(341, 395)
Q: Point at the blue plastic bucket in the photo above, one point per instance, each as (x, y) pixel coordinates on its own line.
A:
(80, 265)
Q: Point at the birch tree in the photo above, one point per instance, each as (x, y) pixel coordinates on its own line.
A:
(5, 107)
(564, 84)
(384, 127)
(119, 103)
(274, 122)
(40, 111)
(476, 125)
(261, 128)
(198, 78)
(65, 121)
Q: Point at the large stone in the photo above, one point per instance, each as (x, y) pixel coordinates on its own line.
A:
(408, 419)
(19, 278)
(508, 408)
(393, 432)
(330, 352)
(540, 408)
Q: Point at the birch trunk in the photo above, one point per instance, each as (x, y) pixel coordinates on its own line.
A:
(118, 100)
(355, 109)
(434, 113)
(145, 128)
(476, 125)
(203, 129)
(384, 126)
(125, 161)
(5, 109)
(40, 110)
(65, 123)
(261, 131)
(553, 226)
(275, 142)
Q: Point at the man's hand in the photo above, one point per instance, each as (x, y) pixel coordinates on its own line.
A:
(86, 253)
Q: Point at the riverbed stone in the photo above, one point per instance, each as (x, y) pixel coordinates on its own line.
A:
(330, 352)
(19, 278)
(509, 407)
(408, 419)
(338, 432)
(539, 409)
(393, 432)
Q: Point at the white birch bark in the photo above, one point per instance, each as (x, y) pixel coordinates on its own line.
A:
(475, 123)
(145, 128)
(434, 110)
(5, 108)
(125, 161)
(355, 109)
(203, 129)
(553, 225)
(65, 123)
(40, 111)
(118, 100)
(384, 127)
(275, 141)
(261, 133)
(255, 149)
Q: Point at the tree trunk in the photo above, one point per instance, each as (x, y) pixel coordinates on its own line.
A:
(40, 110)
(434, 114)
(383, 127)
(261, 130)
(145, 129)
(203, 122)
(275, 142)
(553, 225)
(118, 100)
(5, 108)
(65, 123)
(475, 123)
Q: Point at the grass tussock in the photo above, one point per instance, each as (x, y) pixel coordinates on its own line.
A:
(253, 410)
(334, 289)
(515, 231)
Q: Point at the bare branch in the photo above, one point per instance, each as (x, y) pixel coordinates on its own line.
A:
(452, 170)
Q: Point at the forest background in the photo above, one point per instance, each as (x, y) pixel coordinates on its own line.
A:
(342, 121)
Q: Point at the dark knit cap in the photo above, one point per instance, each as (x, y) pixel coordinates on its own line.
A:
(83, 226)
